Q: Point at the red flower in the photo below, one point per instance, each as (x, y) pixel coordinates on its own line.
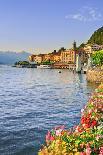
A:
(82, 153)
(94, 123)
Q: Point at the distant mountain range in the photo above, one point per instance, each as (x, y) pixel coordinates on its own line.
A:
(11, 57)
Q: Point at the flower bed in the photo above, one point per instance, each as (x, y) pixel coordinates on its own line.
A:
(84, 139)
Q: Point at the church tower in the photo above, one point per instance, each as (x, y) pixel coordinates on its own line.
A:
(74, 45)
(74, 49)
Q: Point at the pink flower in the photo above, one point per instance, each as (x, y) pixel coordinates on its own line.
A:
(58, 132)
(89, 111)
(87, 145)
(88, 151)
(101, 151)
(48, 136)
(59, 129)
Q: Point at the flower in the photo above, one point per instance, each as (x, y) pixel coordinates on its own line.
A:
(82, 110)
(101, 151)
(59, 129)
(85, 137)
(88, 151)
(49, 137)
(82, 153)
(94, 123)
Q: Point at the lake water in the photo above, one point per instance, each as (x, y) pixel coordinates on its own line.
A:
(35, 100)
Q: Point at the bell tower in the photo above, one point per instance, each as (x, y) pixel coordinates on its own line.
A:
(75, 51)
(74, 45)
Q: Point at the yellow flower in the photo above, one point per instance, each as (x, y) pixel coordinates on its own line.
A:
(75, 150)
(77, 153)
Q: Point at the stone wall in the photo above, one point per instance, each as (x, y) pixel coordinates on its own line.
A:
(95, 75)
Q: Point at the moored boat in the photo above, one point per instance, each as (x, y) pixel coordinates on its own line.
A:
(44, 66)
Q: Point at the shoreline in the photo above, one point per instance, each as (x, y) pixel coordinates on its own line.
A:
(95, 75)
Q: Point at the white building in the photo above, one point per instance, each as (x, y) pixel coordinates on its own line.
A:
(89, 49)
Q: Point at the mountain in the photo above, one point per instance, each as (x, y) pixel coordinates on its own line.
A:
(97, 37)
(11, 57)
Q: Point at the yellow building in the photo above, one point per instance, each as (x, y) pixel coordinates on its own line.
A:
(36, 58)
(39, 58)
(68, 56)
(47, 57)
(88, 49)
(32, 58)
(57, 57)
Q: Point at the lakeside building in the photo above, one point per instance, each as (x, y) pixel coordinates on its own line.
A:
(52, 57)
(32, 58)
(56, 56)
(61, 59)
(64, 58)
(36, 58)
(48, 57)
(89, 49)
(68, 56)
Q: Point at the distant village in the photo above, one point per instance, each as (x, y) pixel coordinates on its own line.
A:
(66, 58)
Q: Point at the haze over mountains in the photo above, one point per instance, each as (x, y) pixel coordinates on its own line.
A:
(9, 57)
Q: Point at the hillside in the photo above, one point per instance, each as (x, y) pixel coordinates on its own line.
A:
(97, 37)
(11, 57)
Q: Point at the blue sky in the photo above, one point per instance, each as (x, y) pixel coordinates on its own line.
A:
(40, 26)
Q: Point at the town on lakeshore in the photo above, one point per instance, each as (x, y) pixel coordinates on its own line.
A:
(77, 59)
(66, 58)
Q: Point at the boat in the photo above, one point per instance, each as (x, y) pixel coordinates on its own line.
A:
(44, 66)
(59, 71)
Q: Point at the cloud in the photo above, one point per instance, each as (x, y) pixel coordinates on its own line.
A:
(86, 14)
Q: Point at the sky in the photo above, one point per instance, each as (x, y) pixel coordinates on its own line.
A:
(40, 26)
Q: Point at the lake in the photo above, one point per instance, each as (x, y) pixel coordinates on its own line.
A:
(32, 101)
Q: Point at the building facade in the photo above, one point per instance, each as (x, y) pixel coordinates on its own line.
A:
(89, 49)
(68, 56)
(32, 58)
(36, 58)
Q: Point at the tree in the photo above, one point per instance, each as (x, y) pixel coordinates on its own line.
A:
(61, 49)
(97, 37)
(98, 58)
(81, 46)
